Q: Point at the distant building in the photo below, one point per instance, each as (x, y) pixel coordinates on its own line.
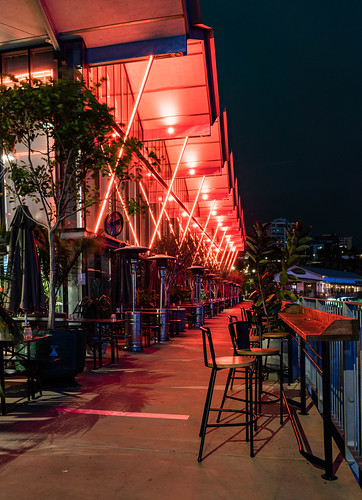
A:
(345, 242)
(320, 282)
(277, 229)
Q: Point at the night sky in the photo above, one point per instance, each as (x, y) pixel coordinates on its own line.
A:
(290, 76)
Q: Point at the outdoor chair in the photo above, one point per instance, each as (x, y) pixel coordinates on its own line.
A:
(240, 338)
(234, 374)
(151, 329)
(173, 324)
(230, 363)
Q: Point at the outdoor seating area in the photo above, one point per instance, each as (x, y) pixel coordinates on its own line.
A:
(153, 341)
(144, 412)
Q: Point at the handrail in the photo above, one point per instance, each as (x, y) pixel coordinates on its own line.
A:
(345, 387)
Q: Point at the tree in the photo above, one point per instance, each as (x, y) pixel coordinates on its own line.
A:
(292, 255)
(69, 141)
(266, 260)
(261, 253)
(167, 244)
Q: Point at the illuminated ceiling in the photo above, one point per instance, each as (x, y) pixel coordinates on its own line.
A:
(181, 94)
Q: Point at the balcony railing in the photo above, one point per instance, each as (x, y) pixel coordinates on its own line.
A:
(346, 383)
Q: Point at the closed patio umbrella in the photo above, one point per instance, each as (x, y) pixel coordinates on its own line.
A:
(23, 287)
(121, 286)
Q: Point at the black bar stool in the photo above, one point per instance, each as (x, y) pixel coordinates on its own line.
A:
(239, 333)
(229, 363)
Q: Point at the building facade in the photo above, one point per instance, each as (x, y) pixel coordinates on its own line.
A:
(157, 68)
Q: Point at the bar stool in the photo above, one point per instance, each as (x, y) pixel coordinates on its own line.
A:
(239, 333)
(174, 324)
(230, 363)
(233, 374)
(151, 329)
(281, 335)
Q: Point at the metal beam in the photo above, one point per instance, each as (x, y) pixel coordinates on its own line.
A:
(135, 107)
(168, 192)
(192, 211)
(48, 24)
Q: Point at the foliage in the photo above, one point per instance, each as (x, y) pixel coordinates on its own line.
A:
(261, 253)
(266, 260)
(67, 253)
(69, 141)
(180, 294)
(136, 205)
(292, 255)
(97, 305)
(146, 298)
(8, 326)
(167, 244)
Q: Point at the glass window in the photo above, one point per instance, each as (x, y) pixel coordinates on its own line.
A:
(42, 63)
(16, 63)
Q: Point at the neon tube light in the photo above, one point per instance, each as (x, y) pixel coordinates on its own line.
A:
(168, 192)
(46, 73)
(212, 242)
(135, 107)
(127, 216)
(170, 225)
(148, 204)
(223, 255)
(234, 259)
(192, 211)
(229, 257)
(221, 242)
(203, 232)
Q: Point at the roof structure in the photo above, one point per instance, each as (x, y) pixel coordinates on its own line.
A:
(179, 101)
(325, 275)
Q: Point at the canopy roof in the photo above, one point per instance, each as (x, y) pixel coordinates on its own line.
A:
(180, 98)
(100, 24)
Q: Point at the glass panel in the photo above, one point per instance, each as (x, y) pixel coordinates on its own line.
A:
(42, 64)
(16, 63)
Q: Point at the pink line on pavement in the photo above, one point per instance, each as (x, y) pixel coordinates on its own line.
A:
(167, 416)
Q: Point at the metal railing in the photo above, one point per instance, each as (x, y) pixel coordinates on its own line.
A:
(346, 382)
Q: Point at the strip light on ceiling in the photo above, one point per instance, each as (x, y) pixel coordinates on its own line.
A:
(135, 108)
(168, 193)
(203, 232)
(127, 216)
(192, 211)
(212, 242)
(234, 259)
(149, 206)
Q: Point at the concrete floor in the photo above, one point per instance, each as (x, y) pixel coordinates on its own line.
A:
(47, 452)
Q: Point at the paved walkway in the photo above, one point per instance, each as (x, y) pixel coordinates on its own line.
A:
(133, 434)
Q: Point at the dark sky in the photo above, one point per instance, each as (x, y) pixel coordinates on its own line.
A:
(290, 76)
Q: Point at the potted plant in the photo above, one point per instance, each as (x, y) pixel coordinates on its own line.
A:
(77, 143)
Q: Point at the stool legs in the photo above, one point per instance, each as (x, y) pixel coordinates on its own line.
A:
(281, 382)
(205, 415)
(259, 387)
(248, 409)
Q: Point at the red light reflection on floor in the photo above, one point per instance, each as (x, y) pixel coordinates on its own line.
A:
(167, 416)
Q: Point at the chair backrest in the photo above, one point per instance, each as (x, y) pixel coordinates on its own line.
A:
(208, 345)
(239, 333)
(244, 316)
(232, 318)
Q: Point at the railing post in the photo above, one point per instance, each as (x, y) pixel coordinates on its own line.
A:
(327, 424)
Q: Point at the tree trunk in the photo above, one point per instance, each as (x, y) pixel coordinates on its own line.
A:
(52, 294)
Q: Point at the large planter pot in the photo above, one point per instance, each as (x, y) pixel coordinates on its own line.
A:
(61, 356)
